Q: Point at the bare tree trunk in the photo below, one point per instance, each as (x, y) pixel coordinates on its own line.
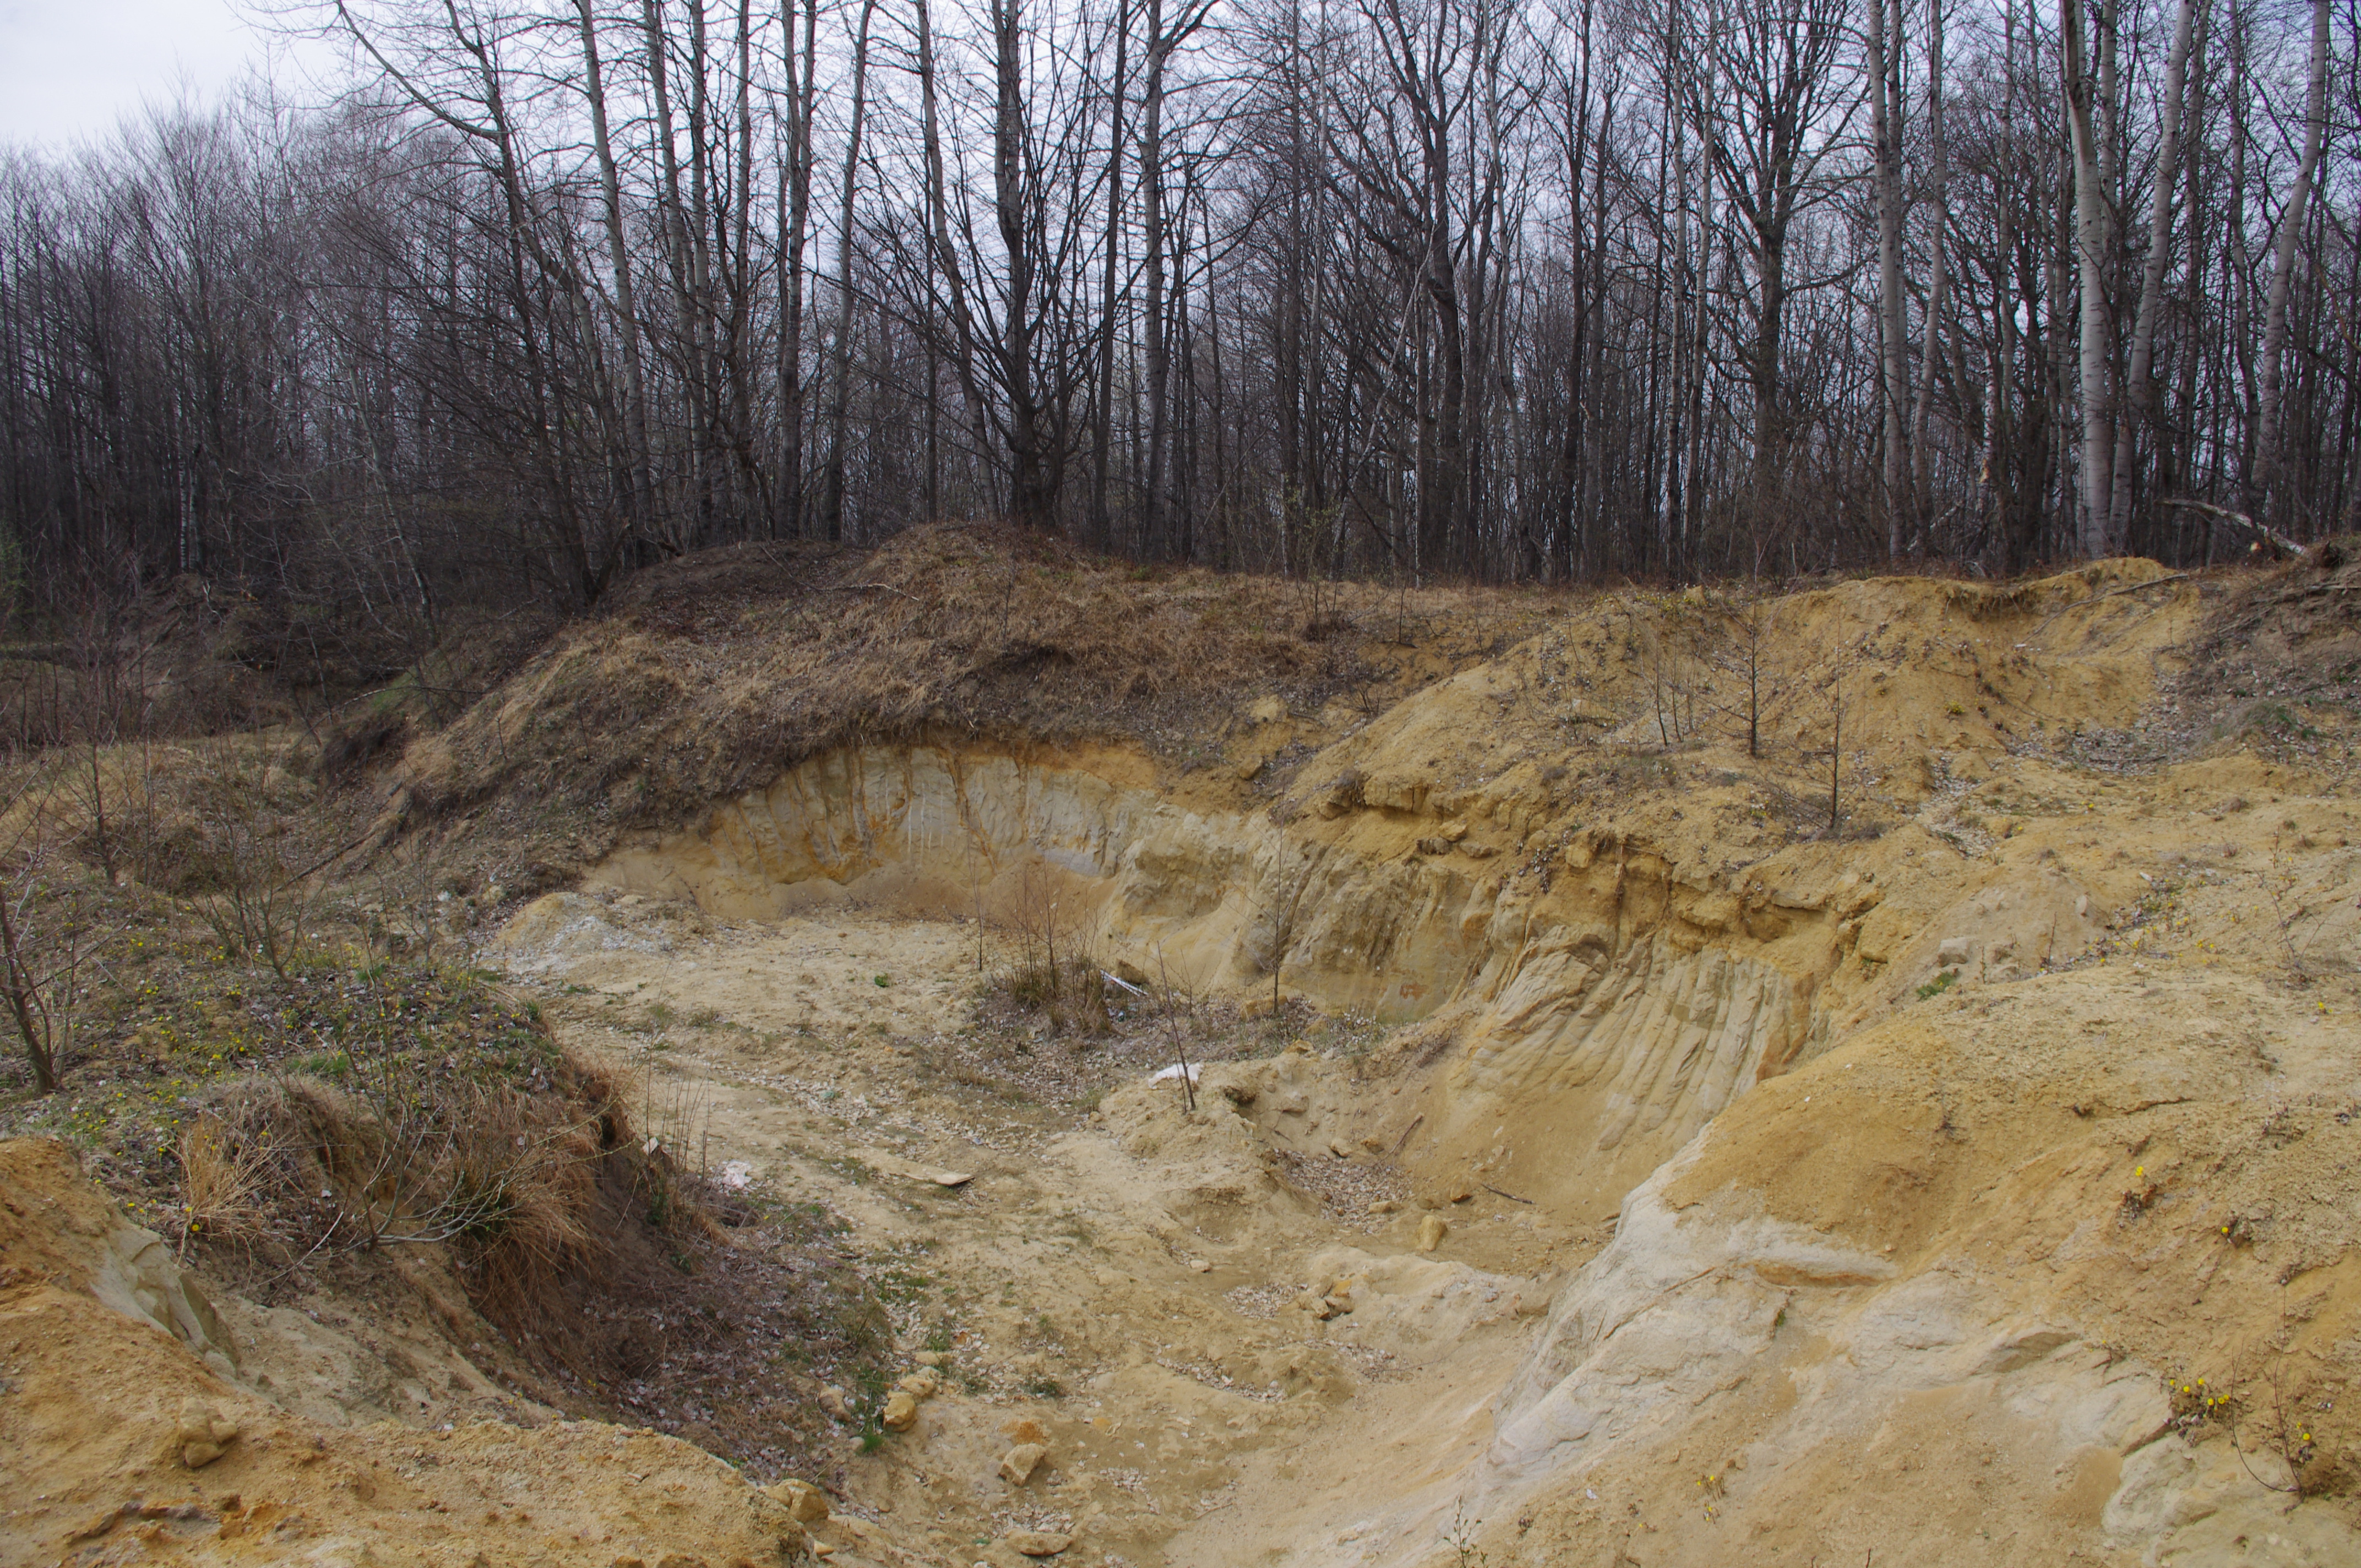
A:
(2093, 242)
(945, 262)
(2000, 455)
(619, 256)
(841, 370)
(2264, 474)
(802, 98)
(1152, 251)
(738, 267)
(2139, 388)
(1029, 491)
(1569, 477)
(671, 212)
(1100, 526)
(1937, 282)
(1885, 133)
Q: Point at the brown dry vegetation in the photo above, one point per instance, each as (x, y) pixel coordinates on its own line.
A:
(192, 657)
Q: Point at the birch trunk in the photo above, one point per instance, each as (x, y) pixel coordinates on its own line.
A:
(2091, 246)
(2139, 386)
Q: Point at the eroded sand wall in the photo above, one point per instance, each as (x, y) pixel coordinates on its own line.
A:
(1616, 1016)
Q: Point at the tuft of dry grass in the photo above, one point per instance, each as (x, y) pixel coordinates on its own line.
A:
(224, 1182)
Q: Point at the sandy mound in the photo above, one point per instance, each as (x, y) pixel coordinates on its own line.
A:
(112, 1354)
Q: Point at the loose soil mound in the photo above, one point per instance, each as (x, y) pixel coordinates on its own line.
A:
(112, 1358)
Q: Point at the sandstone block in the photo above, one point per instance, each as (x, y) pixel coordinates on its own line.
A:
(1038, 1542)
(203, 1435)
(804, 1503)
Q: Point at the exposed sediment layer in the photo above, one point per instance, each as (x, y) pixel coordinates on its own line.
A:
(1621, 1003)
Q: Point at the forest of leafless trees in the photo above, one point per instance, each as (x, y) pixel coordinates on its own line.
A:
(1500, 290)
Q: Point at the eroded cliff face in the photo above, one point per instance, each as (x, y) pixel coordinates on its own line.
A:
(1608, 991)
(1608, 999)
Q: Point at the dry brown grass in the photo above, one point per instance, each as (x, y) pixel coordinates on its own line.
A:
(226, 1183)
(393, 1150)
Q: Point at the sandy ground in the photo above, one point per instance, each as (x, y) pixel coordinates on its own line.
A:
(1114, 1269)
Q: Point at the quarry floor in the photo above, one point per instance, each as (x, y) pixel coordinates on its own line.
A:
(1193, 1414)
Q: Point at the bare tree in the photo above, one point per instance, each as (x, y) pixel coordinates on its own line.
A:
(2093, 245)
(2270, 402)
(840, 352)
(2138, 383)
(1886, 135)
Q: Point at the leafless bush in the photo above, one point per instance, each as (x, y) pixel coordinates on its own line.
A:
(261, 871)
(1668, 642)
(51, 940)
(1054, 972)
(2283, 1428)
(1833, 691)
(1747, 655)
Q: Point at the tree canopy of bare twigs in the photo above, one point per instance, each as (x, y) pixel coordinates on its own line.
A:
(1493, 289)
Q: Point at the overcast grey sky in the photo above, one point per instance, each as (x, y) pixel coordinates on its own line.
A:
(70, 68)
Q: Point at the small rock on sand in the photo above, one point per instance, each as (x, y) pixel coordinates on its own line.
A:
(804, 1503)
(1431, 1232)
(1038, 1542)
(203, 1435)
(900, 1410)
(1017, 1466)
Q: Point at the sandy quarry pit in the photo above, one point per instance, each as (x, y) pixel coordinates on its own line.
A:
(1594, 1160)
